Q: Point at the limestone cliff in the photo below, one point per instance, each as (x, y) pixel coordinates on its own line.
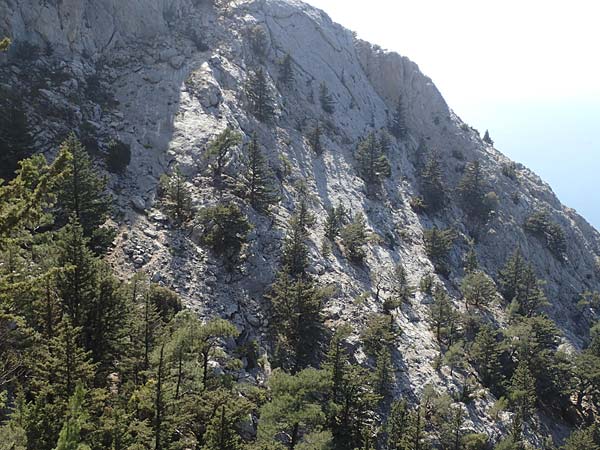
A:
(165, 76)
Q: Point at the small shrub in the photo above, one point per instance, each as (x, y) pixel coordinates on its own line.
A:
(509, 170)
(541, 225)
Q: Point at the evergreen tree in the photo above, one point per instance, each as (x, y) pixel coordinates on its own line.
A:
(471, 190)
(511, 275)
(438, 244)
(326, 99)
(118, 157)
(354, 238)
(296, 314)
(401, 289)
(471, 263)
(398, 126)
(295, 250)
(522, 397)
(397, 425)
(258, 184)
(373, 165)
(70, 436)
(443, 316)
(225, 227)
(286, 71)
(485, 353)
(379, 334)
(219, 150)
(487, 139)
(259, 96)
(294, 412)
(478, 289)
(432, 185)
(314, 139)
(336, 219)
(82, 194)
(177, 197)
(583, 439)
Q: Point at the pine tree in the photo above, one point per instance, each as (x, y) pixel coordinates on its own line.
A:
(294, 412)
(373, 165)
(219, 150)
(336, 219)
(258, 184)
(438, 244)
(487, 139)
(259, 96)
(441, 313)
(177, 197)
(326, 99)
(486, 352)
(297, 319)
(383, 376)
(402, 291)
(522, 397)
(511, 275)
(398, 126)
(471, 264)
(478, 289)
(225, 227)
(314, 139)
(70, 436)
(295, 250)
(471, 190)
(397, 425)
(354, 238)
(286, 71)
(77, 283)
(432, 185)
(82, 194)
(380, 333)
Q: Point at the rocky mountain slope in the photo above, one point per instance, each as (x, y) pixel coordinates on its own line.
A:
(166, 76)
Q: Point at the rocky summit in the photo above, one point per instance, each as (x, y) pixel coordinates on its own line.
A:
(391, 182)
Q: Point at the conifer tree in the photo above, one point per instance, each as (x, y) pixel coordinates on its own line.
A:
(219, 150)
(522, 397)
(258, 184)
(486, 352)
(398, 126)
(336, 219)
(286, 71)
(314, 139)
(373, 165)
(259, 96)
(225, 227)
(326, 99)
(297, 312)
(432, 185)
(70, 436)
(177, 197)
(438, 243)
(511, 275)
(82, 194)
(402, 291)
(471, 263)
(443, 316)
(295, 250)
(354, 238)
(487, 139)
(478, 289)
(294, 412)
(471, 190)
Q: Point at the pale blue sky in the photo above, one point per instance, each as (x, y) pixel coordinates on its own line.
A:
(529, 71)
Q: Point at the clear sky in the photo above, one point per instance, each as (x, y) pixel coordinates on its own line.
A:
(527, 70)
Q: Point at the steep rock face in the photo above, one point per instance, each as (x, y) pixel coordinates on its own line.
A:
(166, 76)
